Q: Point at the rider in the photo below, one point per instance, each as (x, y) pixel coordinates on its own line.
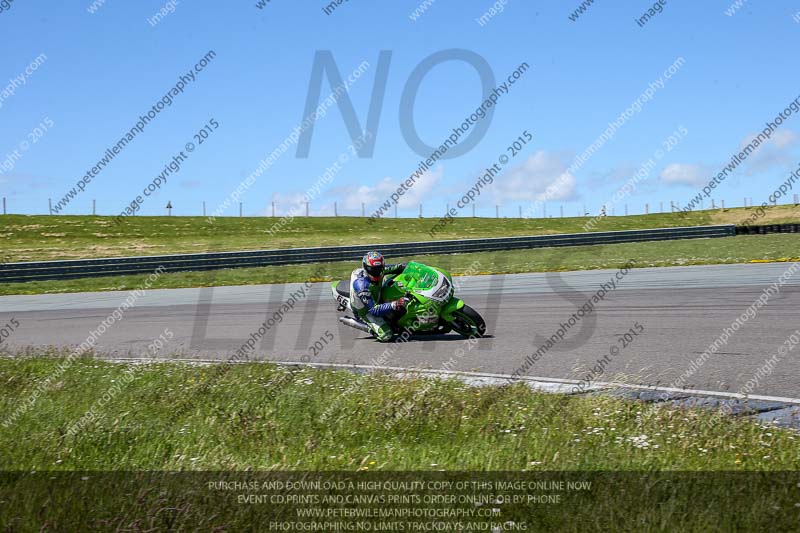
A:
(365, 294)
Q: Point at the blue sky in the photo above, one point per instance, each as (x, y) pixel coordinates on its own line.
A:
(104, 69)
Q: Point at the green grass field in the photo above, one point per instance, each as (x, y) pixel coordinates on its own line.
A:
(39, 238)
(258, 416)
(742, 249)
(99, 447)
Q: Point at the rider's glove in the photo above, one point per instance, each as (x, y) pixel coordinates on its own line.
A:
(400, 303)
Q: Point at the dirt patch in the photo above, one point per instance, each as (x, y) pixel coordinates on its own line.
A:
(31, 226)
(773, 215)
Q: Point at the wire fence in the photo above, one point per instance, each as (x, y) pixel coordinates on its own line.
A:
(335, 209)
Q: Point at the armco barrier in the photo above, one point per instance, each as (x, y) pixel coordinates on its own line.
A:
(768, 228)
(85, 268)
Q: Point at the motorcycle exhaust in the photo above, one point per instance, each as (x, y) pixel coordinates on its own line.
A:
(353, 323)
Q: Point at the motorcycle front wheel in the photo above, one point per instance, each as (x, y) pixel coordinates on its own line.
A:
(468, 322)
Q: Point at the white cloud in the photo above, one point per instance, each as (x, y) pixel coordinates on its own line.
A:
(684, 174)
(15, 183)
(531, 180)
(785, 139)
(349, 197)
(779, 139)
(286, 204)
(776, 152)
(374, 195)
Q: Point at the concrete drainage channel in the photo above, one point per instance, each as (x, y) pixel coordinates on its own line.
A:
(778, 411)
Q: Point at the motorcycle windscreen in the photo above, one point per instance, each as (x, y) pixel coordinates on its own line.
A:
(417, 277)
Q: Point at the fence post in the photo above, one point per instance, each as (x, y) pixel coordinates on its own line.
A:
(273, 209)
(240, 209)
(661, 207)
(50, 205)
(646, 209)
(520, 212)
(562, 211)
(94, 207)
(420, 210)
(713, 204)
(723, 205)
(626, 209)
(335, 210)
(306, 208)
(204, 208)
(497, 211)
(796, 201)
(363, 210)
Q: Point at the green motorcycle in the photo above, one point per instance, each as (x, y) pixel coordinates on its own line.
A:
(433, 307)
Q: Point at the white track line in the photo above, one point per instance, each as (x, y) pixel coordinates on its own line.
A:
(542, 382)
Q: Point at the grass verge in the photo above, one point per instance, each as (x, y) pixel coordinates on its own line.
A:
(342, 427)
(42, 237)
(258, 416)
(741, 249)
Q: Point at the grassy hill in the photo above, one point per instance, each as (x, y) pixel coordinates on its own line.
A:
(42, 237)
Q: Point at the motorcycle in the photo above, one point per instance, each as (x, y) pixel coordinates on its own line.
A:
(433, 308)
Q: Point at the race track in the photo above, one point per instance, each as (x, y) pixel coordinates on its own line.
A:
(683, 310)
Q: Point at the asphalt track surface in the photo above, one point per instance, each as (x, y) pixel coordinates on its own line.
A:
(683, 310)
